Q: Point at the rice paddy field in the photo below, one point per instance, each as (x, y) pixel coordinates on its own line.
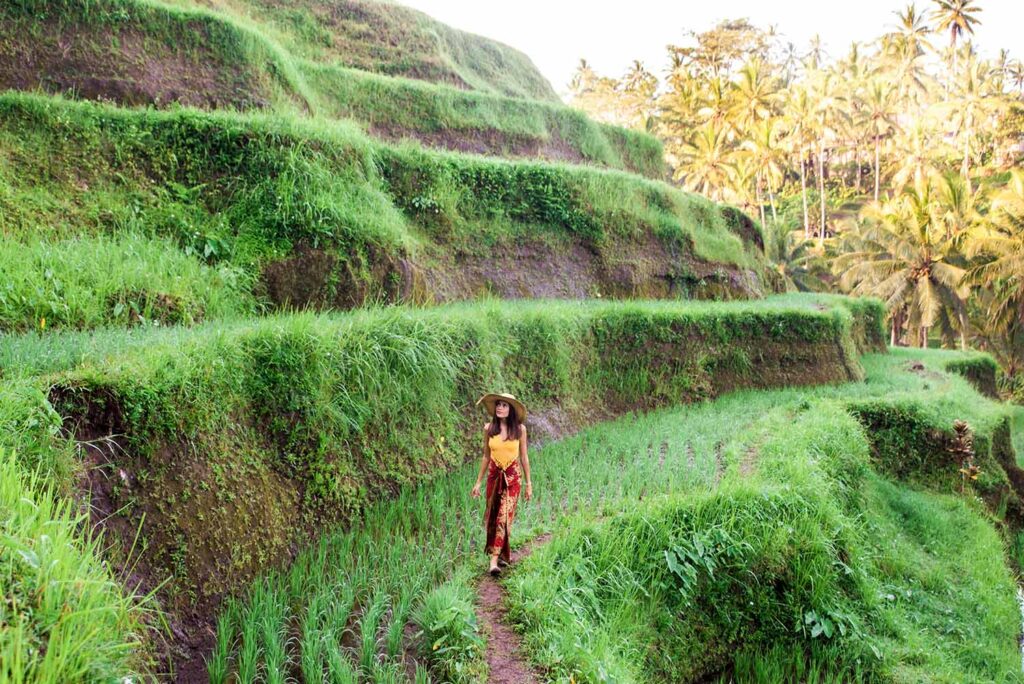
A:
(257, 261)
(782, 486)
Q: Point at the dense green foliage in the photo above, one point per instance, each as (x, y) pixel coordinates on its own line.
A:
(797, 534)
(233, 438)
(802, 561)
(325, 412)
(237, 60)
(893, 170)
(443, 116)
(836, 562)
(206, 202)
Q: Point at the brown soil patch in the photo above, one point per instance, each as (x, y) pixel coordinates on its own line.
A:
(918, 368)
(572, 270)
(78, 60)
(505, 662)
(749, 462)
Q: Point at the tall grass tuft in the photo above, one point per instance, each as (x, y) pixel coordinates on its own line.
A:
(65, 617)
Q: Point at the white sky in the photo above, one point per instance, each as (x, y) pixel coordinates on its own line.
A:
(610, 35)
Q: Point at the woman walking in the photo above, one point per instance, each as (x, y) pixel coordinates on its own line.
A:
(504, 451)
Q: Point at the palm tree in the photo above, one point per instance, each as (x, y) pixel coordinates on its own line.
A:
(957, 205)
(878, 117)
(815, 53)
(753, 95)
(899, 252)
(716, 101)
(704, 161)
(956, 17)
(916, 157)
(798, 260)
(829, 114)
(974, 100)
(997, 246)
(799, 110)
(913, 30)
(765, 154)
(1015, 75)
(905, 50)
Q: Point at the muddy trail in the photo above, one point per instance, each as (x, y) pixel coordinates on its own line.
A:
(506, 663)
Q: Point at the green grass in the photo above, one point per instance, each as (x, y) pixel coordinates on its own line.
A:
(236, 438)
(598, 600)
(392, 39)
(242, 192)
(65, 618)
(237, 61)
(405, 107)
(89, 282)
(272, 413)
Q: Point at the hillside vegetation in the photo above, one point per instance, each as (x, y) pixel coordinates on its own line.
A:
(269, 56)
(236, 440)
(752, 538)
(256, 260)
(201, 214)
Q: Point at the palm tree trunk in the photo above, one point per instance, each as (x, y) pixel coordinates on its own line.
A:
(803, 193)
(924, 336)
(876, 167)
(821, 186)
(856, 163)
(965, 167)
(757, 194)
(771, 202)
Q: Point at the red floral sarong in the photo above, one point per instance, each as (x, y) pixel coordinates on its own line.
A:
(502, 495)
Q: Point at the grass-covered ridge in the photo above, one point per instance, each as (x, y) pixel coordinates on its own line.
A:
(765, 497)
(307, 397)
(233, 55)
(65, 617)
(240, 211)
(380, 37)
(236, 440)
(387, 38)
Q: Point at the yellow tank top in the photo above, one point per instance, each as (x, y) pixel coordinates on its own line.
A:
(503, 452)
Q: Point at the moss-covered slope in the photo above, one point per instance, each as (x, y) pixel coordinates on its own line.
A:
(387, 38)
(237, 55)
(206, 214)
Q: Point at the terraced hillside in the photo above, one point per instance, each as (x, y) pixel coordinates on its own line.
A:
(200, 482)
(397, 72)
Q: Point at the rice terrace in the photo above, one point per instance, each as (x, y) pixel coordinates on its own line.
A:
(339, 344)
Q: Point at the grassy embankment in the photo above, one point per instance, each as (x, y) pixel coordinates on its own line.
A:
(243, 56)
(200, 215)
(793, 555)
(385, 37)
(238, 440)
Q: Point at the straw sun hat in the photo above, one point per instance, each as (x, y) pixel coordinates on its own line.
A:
(490, 399)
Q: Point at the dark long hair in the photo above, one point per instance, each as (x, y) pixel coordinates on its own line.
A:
(513, 430)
